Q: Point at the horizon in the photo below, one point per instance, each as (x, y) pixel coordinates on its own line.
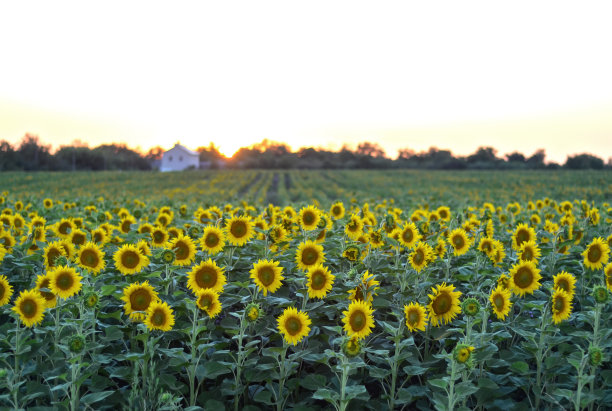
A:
(400, 75)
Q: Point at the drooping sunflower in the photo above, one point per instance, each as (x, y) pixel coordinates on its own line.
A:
(416, 317)
(159, 237)
(43, 281)
(352, 253)
(337, 210)
(561, 306)
(443, 304)
(354, 227)
(566, 282)
(522, 234)
(500, 302)
(440, 248)
(309, 217)
(51, 252)
(137, 298)
(460, 241)
(294, 325)
(358, 319)
(206, 275)
(90, 257)
(212, 240)
(64, 227)
(184, 250)
(409, 235)
(159, 316)
(267, 275)
(309, 254)
(596, 254)
(421, 256)
(529, 251)
(320, 281)
(524, 278)
(129, 260)
(366, 289)
(6, 290)
(498, 254)
(30, 307)
(208, 300)
(65, 281)
(376, 239)
(239, 230)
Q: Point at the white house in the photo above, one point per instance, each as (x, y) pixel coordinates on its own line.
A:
(179, 158)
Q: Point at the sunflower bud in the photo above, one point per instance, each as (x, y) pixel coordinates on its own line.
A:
(253, 312)
(463, 354)
(194, 232)
(76, 344)
(351, 347)
(137, 213)
(168, 256)
(471, 307)
(600, 294)
(595, 356)
(61, 260)
(165, 398)
(91, 300)
(3, 373)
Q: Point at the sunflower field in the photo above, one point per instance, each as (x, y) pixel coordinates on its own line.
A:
(306, 290)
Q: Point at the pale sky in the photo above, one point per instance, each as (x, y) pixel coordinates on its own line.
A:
(518, 75)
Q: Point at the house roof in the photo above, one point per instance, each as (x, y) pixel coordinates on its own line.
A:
(185, 149)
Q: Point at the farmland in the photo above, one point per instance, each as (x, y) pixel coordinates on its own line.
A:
(273, 289)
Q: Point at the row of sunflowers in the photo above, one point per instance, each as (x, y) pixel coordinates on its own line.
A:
(110, 304)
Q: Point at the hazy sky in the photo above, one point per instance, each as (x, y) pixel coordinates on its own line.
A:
(458, 75)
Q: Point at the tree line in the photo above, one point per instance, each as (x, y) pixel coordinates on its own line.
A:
(32, 155)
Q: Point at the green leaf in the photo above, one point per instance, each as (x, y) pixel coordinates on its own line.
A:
(356, 391)
(264, 396)
(463, 389)
(520, 367)
(313, 381)
(438, 382)
(487, 383)
(96, 396)
(327, 395)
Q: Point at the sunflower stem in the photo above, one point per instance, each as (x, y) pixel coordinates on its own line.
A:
(239, 363)
(193, 363)
(346, 366)
(539, 358)
(282, 376)
(16, 371)
(451, 385)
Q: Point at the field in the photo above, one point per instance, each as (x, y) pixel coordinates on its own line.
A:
(256, 290)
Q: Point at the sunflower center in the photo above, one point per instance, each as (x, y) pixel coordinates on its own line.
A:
(140, 300)
(89, 258)
(52, 256)
(206, 301)
(527, 254)
(130, 259)
(442, 304)
(238, 229)
(28, 308)
(125, 226)
(408, 235)
(158, 237)
(353, 226)
(419, 257)
(2, 291)
(293, 325)
(559, 304)
(158, 318)
(97, 237)
(181, 250)
(308, 218)
(522, 236)
(78, 239)
(594, 253)
(336, 210)
(318, 280)
(458, 242)
(413, 317)
(563, 284)
(463, 355)
(498, 300)
(206, 277)
(63, 228)
(309, 256)
(64, 281)
(523, 277)
(486, 247)
(211, 240)
(266, 276)
(358, 321)
(45, 294)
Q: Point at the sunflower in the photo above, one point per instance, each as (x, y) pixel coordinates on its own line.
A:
(65, 281)
(500, 302)
(459, 240)
(498, 254)
(309, 218)
(463, 353)
(208, 300)
(320, 281)
(359, 319)
(239, 230)
(309, 254)
(354, 228)
(43, 281)
(7, 240)
(596, 254)
(529, 251)
(6, 290)
(159, 316)
(524, 278)
(294, 325)
(159, 237)
(440, 248)
(129, 260)
(51, 252)
(420, 256)
(337, 210)
(138, 297)
(443, 304)
(212, 240)
(278, 234)
(486, 245)
(444, 213)
(64, 227)
(99, 236)
(31, 307)
(608, 276)
(267, 275)
(409, 235)
(184, 250)
(522, 234)
(352, 253)
(566, 282)
(68, 247)
(416, 317)
(376, 239)
(91, 258)
(561, 306)
(206, 275)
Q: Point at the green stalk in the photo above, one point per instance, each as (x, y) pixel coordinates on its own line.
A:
(451, 385)
(539, 358)
(346, 366)
(283, 375)
(394, 367)
(16, 371)
(239, 364)
(191, 372)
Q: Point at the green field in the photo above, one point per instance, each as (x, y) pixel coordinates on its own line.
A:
(432, 290)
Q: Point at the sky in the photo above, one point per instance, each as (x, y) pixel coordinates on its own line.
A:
(518, 76)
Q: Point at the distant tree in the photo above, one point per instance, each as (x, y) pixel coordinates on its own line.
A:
(584, 161)
(33, 155)
(155, 153)
(405, 153)
(515, 157)
(537, 159)
(484, 158)
(8, 158)
(370, 149)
